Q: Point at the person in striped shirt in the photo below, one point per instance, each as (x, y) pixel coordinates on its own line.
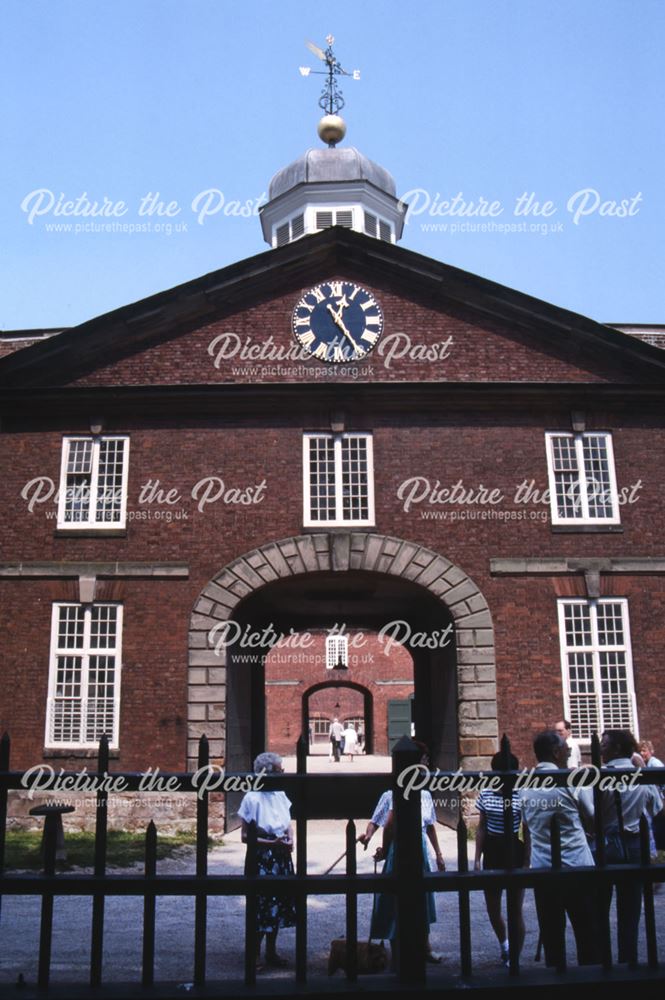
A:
(491, 847)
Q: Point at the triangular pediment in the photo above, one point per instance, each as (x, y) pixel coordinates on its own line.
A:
(235, 325)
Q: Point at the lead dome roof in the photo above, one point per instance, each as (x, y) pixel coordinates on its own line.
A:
(331, 165)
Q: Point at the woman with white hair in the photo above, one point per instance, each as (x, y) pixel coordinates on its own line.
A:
(350, 740)
(271, 812)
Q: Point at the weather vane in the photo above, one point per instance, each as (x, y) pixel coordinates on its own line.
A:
(331, 99)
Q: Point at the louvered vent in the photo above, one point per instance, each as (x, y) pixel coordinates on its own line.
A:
(282, 234)
(370, 224)
(345, 219)
(384, 231)
(297, 226)
(324, 220)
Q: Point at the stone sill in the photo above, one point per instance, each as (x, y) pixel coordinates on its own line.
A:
(340, 529)
(90, 533)
(588, 529)
(80, 753)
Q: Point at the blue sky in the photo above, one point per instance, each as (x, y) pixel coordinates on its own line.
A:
(495, 100)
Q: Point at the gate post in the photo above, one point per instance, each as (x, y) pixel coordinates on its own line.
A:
(409, 864)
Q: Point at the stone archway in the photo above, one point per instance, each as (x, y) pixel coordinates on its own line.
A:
(368, 706)
(342, 552)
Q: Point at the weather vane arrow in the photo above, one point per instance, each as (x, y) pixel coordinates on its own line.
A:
(331, 100)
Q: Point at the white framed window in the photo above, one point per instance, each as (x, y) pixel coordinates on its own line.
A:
(338, 479)
(93, 482)
(320, 728)
(597, 666)
(582, 481)
(337, 648)
(84, 675)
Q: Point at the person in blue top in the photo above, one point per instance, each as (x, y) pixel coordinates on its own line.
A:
(492, 849)
(384, 910)
(655, 822)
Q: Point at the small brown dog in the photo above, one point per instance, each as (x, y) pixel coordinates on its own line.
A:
(372, 957)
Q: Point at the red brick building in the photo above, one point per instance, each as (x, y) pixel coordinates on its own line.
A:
(336, 431)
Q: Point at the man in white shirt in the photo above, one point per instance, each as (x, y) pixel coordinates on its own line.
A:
(335, 733)
(565, 731)
(622, 835)
(539, 806)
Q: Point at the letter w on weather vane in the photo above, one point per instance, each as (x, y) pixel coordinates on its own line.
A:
(331, 100)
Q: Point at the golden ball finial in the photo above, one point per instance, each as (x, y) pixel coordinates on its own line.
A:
(331, 129)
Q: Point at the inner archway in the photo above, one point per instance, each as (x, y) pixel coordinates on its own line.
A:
(353, 702)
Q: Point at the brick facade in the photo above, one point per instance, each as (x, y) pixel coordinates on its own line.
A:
(478, 416)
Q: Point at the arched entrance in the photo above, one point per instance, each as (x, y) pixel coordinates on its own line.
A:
(362, 577)
(368, 708)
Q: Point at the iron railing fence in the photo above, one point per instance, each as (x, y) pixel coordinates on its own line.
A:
(322, 796)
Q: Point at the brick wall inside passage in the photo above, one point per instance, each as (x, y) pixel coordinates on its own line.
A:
(290, 674)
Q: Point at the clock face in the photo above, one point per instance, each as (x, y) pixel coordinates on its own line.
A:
(337, 321)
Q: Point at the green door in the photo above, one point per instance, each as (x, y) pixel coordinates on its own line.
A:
(399, 720)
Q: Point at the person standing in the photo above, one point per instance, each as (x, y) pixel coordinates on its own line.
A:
(384, 909)
(350, 741)
(647, 755)
(565, 731)
(491, 847)
(335, 733)
(657, 824)
(622, 835)
(271, 812)
(539, 807)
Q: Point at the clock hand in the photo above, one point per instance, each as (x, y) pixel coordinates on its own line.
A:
(337, 319)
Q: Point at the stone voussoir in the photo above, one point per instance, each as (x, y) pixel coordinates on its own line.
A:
(341, 551)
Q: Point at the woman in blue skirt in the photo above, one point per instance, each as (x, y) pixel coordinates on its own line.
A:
(384, 910)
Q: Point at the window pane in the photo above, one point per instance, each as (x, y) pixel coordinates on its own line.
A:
(101, 680)
(103, 625)
(596, 467)
(355, 493)
(70, 627)
(578, 625)
(610, 625)
(563, 453)
(583, 707)
(109, 480)
(79, 459)
(566, 477)
(616, 700)
(320, 727)
(78, 480)
(66, 719)
(322, 478)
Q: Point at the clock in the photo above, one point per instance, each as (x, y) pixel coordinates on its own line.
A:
(337, 322)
